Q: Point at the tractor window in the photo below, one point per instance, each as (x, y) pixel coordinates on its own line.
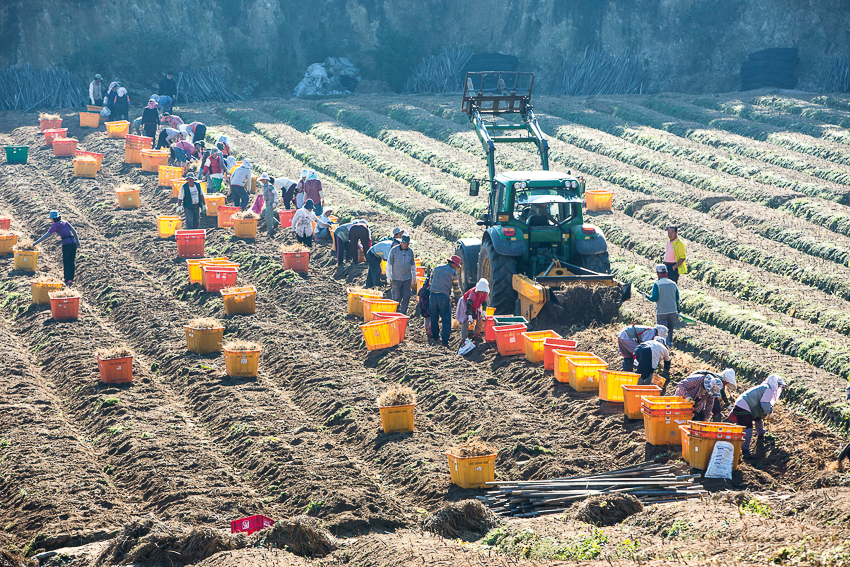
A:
(532, 207)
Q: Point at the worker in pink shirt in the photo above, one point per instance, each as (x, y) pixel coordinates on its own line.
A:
(675, 257)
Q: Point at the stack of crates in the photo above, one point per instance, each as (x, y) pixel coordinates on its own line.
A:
(699, 437)
(662, 416)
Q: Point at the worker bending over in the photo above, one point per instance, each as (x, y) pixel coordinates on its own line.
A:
(378, 253)
(629, 339)
(648, 355)
(696, 387)
(754, 405)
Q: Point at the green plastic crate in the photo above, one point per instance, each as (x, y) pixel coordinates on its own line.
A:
(16, 154)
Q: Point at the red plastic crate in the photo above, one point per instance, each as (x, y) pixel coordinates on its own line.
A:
(549, 347)
(250, 524)
(95, 155)
(286, 217)
(5, 224)
(224, 215)
(50, 124)
(509, 341)
(65, 308)
(190, 243)
(137, 142)
(216, 278)
(64, 147)
(296, 261)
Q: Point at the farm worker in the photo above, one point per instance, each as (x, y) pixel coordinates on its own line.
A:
(341, 240)
(425, 304)
(377, 253)
(150, 120)
(444, 281)
(286, 187)
(239, 180)
(675, 257)
(359, 237)
(324, 225)
(313, 190)
(706, 404)
(472, 307)
(173, 120)
(198, 130)
(705, 389)
(214, 168)
(96, 91)
(184, 150)
(401, 269)
(136, 126)
(168, 87)
(665, 295)
(168, 136)
(111, 96)
(844, 454)
(223, 144)
(122, 104)
(648, 354)
(302, 223)
(754, 405)
(270, 197)
(631, 336)
(191, 199)
(70, 243)
(299, 189)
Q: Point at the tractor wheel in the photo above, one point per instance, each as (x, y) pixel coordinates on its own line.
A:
(499, 271)
(598, 263)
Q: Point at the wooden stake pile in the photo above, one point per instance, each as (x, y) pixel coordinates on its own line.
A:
(648, 482)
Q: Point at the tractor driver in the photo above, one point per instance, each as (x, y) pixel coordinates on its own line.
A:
(538, 215)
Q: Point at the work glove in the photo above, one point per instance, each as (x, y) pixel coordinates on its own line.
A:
(179, 209)
(204, 210)
(666, 372)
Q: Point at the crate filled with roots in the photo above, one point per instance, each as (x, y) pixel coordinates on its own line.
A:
(26, 256)
(245, 224)
(241, 358)
(204, 335)
(115, 364)
(396, 406)
(65, 304)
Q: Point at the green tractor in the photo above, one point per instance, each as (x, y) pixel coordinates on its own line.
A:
(536, 252)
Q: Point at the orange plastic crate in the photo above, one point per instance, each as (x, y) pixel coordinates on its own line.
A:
(509, 340)
(118, 129)
(64, 147)
(711, 430)
(245, 228)
(611, 384)
(128, 199)
(213, 203)
(166, 173)
(64, 307)
(224, 215)
(7, 243)
(549, 347)
(562, 365)
(85, 167)
(697, 450)
(534, 344)
(380, 334)
(152, 159)
(632, 396)
(286, 217)
(664, 429)
(240, 300)
(399, 319)
(665, 405)
(372, 305)
(89, 119)
(599, 200)
(241, 363)
(190, 243)
(218, 263)
(296, 261)
(5, 224)
(52, 134)
(116, 370)
(397, 419)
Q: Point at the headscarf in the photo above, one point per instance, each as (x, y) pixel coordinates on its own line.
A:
(774, 382)
(246, 163)
(223, 140)
(305, 173)
(152, 103)
(661, 331)
(312, 175)
(483, 285)
(713, 386)
(122, 91)
(113, 85)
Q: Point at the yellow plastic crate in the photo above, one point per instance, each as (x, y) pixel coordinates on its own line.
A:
(7, 243)
(40, 291)
(611, 384)
(562, 365)
(118, 129)
(85, 167)
(599, 200)
(584, 373)
(241, 363)
(240, 300)
(632, 398)
(534, 344)
(26, 260)
(203, 341)
(245, 228)
(472, 472)
(380, 334)
(167, 225)
(89, 119)
(167, 173)
(397, 419)
(375, 305)
(213, 203)
(355, 296)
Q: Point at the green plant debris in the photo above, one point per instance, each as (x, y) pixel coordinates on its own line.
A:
(527, 544)
(756, 508)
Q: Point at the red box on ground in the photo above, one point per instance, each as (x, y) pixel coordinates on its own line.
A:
(250, 524)
(190, 243)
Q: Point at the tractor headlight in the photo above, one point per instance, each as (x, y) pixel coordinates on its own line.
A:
(521, 185)
(574, 184)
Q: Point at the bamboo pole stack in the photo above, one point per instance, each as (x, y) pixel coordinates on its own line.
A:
(600, 73)
(648, 482)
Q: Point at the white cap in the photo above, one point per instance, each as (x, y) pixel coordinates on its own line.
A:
(729, 377)
(661, 331)
(483, 285)
(264, 177)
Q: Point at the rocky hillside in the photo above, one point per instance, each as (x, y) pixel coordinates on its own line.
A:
(687, 45)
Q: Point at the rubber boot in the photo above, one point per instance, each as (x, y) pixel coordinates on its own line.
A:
(745, 446)
(628, 364)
